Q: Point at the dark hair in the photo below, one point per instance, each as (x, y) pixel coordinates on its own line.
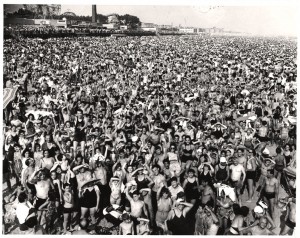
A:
(156, 166)
(278, 150)
(236, 208)
(173, 179)
(27, 162)
(22, 197)
(191, 171)
(244, 211)
(166, 160)
(165, 190)
(51, 196)
(79, 110)
(24, 152)
(271, 171)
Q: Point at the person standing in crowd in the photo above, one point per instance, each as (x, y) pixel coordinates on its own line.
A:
(168, 129)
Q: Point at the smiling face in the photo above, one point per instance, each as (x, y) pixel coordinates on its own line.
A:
(263, 222)
(53, 175)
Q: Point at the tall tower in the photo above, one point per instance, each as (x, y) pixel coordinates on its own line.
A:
(94, 13)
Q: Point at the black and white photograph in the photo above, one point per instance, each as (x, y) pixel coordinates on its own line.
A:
(149, 119)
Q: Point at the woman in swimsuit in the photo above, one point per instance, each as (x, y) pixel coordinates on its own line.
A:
(190, 186)
(287, 154)
(29, 126)
(177, 221)
(115, 186)
(142, 180)
(164, 206)
(175, 167)
(79, 135)
(206, 173)
(187, 152)
(47, 162)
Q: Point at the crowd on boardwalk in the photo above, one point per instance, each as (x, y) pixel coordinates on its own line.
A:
(149, 135)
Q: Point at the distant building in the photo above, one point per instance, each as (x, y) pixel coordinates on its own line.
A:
(36, 22)
(214, 30)
(148, 25)
(165, 26)
(188, 30)
(124, 27)
(153, 29)
(111, 26)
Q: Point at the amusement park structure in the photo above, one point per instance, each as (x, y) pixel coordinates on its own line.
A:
(44, 9)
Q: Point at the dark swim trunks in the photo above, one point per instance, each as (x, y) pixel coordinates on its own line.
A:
(268, 195)
(290, 224)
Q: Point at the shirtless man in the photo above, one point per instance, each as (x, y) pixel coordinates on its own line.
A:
(211, 222)
(143, 227)
(89, 197)
(137, 207)
(265, 165)
(100, 172)
(237, 176)
(147, 198)
(127, 226)
(270, 191)
(42, 186)
(158, 156)
(290, 218)
(241, 158)
(258, 230)
(154, 137)
(207, 196)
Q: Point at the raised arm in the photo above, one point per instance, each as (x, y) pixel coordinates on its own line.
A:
(128, 195)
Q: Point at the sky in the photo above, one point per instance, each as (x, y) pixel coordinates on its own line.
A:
(262, 20)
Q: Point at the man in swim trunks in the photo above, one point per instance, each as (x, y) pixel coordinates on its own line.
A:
(270, 191)
(42, 186)
(207, 196)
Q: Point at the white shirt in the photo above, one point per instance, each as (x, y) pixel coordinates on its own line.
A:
(175, 191)
(22, 211)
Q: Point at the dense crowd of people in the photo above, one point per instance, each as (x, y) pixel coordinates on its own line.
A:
(36, 31)
(150, 135)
